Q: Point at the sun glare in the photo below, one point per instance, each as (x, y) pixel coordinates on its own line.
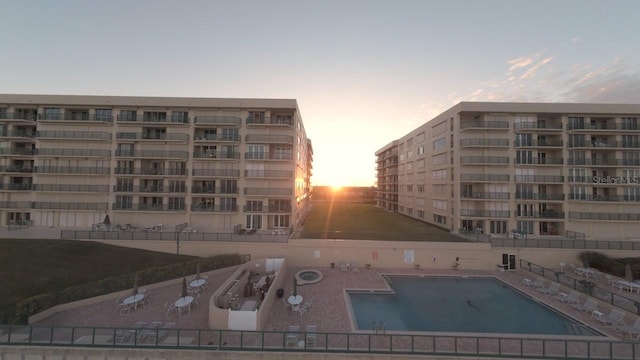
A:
(336, 188)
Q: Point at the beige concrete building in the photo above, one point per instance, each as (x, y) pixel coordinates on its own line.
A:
(214, 165)
(519, 169)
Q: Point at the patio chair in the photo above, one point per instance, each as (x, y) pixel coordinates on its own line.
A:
(614, 318)
(171, 307)
(355, 267)
(292, 336)
(588, 306)
(553, 288)
(303, 308)
(572, 298)
(311, 335)
(165, 330)
(125, 309)
(343, 266)
(632, 330)
(539, 283)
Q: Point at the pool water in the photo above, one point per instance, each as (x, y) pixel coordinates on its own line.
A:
(309, 275)
(454, 304)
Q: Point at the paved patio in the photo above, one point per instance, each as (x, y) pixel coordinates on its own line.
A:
(329, 311)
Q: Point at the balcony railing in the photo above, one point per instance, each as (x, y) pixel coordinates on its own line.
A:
(74, 152)
(486, 195)
(604, 198)
(543, 125)
(540, 161)
(216, 137)
(71, 188)
(149, 171)
(81, 135)
(214, 190)
(215, 155)
(165, 119)
(17, 134)
(269, 121)
(267, 156)
(21, 187)
(147, 207)
(153, 136)
(69, 205)
(217, 172)
(15, 204)
(550, 214)
(150, 189)
(218, 120)
(268, 173)
(268, 191)
(16, 169)
(484, 124)
(538, 143)
(484, 177)
(579, 215)
(74, 117)
(17, 151)
(600, 126)
(85, 170)
(483, 142)
(213, 208)
(539, 178)
(257, 138)
(539, 196)
(162, 154)
(498, 160)
(266, 209)
(485, 213)
(604, 162)
(32, 116)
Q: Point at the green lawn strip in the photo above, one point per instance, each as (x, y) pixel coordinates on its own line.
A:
(364, 221)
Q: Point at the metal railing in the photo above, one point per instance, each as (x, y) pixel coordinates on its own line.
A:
(319, 342)
(264, 237)
(565, 243)
(587, 286)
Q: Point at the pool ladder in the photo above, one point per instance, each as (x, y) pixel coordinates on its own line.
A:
(378, 326)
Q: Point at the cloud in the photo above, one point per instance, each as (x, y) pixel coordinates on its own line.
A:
(518, 63)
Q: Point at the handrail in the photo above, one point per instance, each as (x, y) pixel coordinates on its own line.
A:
(280, 341)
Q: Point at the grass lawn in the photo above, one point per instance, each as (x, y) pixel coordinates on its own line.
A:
(342, 220)
(30, 267)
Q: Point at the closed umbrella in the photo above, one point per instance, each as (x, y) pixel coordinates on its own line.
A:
(628, 275)
(134, 292)
(106, 220)
(295, 287)
(184, 287)
(198, 271)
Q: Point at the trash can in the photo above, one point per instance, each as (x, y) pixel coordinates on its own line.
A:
(280, 293)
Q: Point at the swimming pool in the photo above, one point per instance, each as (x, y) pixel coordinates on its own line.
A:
(455, 304)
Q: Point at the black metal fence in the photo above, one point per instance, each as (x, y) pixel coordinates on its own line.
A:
(279, 341)
(173, 236)
(567, 244)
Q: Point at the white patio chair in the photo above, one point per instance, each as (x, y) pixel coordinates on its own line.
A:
(614, 318)
(311, 335)
(632, 330)
(588, 306)
(553, 288)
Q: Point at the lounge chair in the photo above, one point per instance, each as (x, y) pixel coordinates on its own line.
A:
(539, 283)
(292, 336)
(614, 318)
(632, 330)
(343, 266)
(553, 288)
(354, 266)
(572, 298)
(588, 306)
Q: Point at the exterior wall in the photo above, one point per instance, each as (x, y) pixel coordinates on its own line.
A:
(69, 161)
(498, 167)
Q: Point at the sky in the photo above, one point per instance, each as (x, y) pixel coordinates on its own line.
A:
(364, 73)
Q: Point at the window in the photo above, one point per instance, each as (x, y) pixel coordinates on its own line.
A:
(524, 140)
(254, 221)
(52, 114)
(630, 123)
(498, 227)
(408, 256)
(123, 202)
(420, 137)
(177, 186)
(124, 185)
(256, 152)
(256, 117)
(440, 204)
(227, 204)
(439, 174)
(78, 114)
(576, 122)
(282, 153)
(176, 203)
(420, 214)
(525, 227)
(632, 193)
(420, 150)
(420, 188)
(281, 221)
(439, 219)
(127, 115)
(279, 205)
(125, 150)
(103, 115)
(154, 116)
(253, 205)
(229, 186)
(180, 117)
(524, 157)
(230, 134)
(439, 143)
(283, 120)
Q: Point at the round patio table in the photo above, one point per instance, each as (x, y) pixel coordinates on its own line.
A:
(133, 299)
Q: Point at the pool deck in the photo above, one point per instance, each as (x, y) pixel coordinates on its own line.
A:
(329, 311)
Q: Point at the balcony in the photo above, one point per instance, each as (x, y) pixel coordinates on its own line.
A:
(74, 153)
(266, 139)
(284, 174)
(217, 173)
(487, 160)
(477, 124)
(147, 207)
(75, 117)
(152, 136)
(549, 214)
(539, 125)
(71, 188)
(74, 135)
(153, 118)
(539, 178)
(218, 190)
(161, 154)
(149, 171)
(268, 191)
(217, 120)
(266, 209)
(603, 126)
(17, 169)
(72, 170)
(539, 161)
(486, 195)
(216, 155)
(17, 151)
(283, 121)
(604, 198)
(213, 208)
(539, 196)
(485, 213)
(604, 216)
(15, 204)
(217, 137)
(30, 115)
(483, 142)
(69, 206)
(268, 156)
(538, 143)
(604, 162)
(484, 177)
(150, 189)
(16, 187)
(20, 134)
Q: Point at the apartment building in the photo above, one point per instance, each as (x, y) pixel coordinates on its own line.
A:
(216, 165)
(519, 169)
